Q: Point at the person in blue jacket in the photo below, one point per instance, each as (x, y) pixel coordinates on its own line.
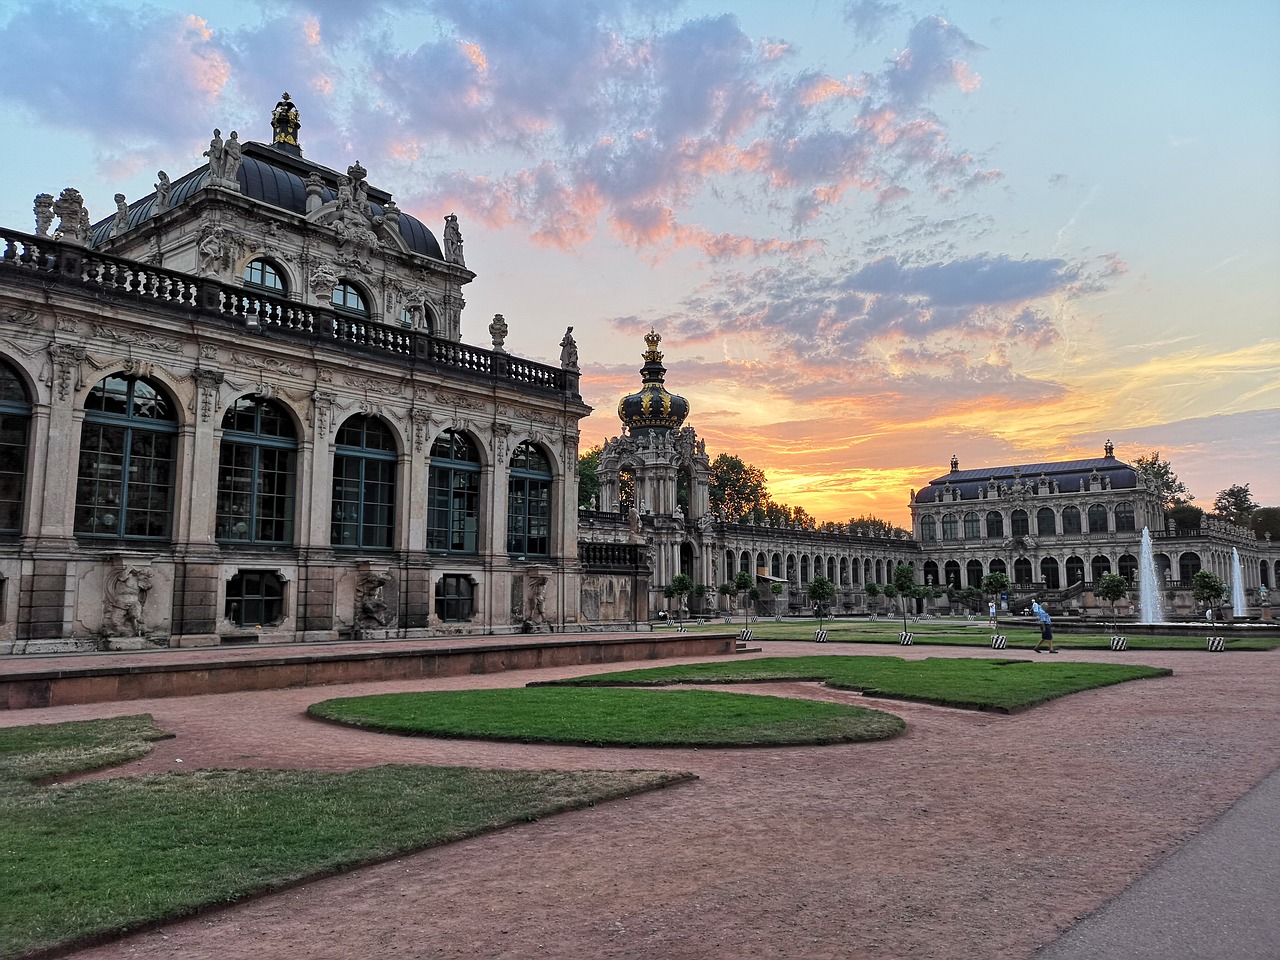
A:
(1046, 626)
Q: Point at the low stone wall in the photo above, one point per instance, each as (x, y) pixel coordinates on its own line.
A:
(27, 688)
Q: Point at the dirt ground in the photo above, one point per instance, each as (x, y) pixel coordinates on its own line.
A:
(971, 836)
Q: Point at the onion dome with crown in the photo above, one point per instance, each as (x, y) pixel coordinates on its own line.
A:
(654, 409)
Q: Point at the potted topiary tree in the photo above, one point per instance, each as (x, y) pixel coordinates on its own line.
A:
(821, 591)
(1112, 587)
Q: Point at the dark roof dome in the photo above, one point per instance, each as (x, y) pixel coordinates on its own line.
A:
(654, 408)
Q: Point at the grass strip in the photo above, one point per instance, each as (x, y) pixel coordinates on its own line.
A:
(613, 717)
(87, 860)
(978, 684)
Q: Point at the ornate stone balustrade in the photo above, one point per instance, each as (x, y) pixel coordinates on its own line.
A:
(54, 261)
(607, 557)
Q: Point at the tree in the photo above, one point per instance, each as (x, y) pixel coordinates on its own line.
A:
(1164, 483)
(904, 581)
(869, 526)
(1208, 588)
(776, 590)
(726, 590)
(700, 594)
(743, 582)
(821, 591)
(589, 479)
(1112, 587)
(737, 488)
(681, 586)
(873, 591)
(1185, 517)
(1235, 503)
(1265, 520)
(994, 584)
(890, 593)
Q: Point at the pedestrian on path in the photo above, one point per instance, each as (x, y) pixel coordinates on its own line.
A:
(1046, 626)
(991, 618)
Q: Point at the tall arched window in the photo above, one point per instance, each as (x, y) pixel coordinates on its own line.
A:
(995, 525)
(1075, 569)
(364, 485)
(1188, 566)
(453, 494)
(1128, 564)
(529, 502)
(348, 299)
(1124, 517)
(931, 577)
(998, 566)
(127, 446)
(15, 427)
(1070, 520)
(775, 566)
(1100, 566)
(951, 573)
(950, 527)
(257, 466)
(973, 574)
(1097, 518)
(928, 529)
(804, 570)
(972, 526)
(1019, 524)
(260, 274)
(1049, 573)
(1022, 570)
(1046, 522)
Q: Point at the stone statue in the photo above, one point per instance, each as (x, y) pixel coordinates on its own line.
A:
(391, 216)
(679, 514)
(232, 157)
(214, 153)
(498, 332)
(72, 216)
(594, 502)
(372, 610)
(633, 520)
(360, 190)
(1264, 596)
(43, 209)
(453, 241)
(538, 613)
(121, 222)
(315, 193)
(216, 252)
(569, 351)
(163, 189)
(125, 601)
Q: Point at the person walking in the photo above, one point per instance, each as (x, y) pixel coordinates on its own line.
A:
(991, 611)
(1046, 626)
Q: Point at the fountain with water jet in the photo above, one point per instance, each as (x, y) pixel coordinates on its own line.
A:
(1239, 609)
(1150, 605)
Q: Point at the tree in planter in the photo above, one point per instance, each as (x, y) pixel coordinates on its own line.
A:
(873, 591)
(1112, 587)
(890, 593)
(994, 584)
(681, 587)
(1208, 588)
(726, 590)
(821, 591)
(743, 582)
(753, 598)
(700, 594)
(904, 582)
(776, 590)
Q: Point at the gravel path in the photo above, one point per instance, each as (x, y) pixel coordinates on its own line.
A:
(972, 835)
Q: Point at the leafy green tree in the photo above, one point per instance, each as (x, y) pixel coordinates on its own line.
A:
(1112, 587)
(681, 587)
(1235, 503)
(776, 590)
(871, 526)
(737, 487)
(726, 590)
(743, 582)
(994, 584)
(1186, 517)
(1265, 520)
(1208, 588)
(821, 591)
(700, 594)
(904, 582)
(1159, 475)
(589, 478)
(873, 591)
(890, 593)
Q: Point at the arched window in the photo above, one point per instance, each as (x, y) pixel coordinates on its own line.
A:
(1022, 570)
(255, 598)
(1049, 573)
(844, 571)
(730, 559)
(1070, 520)
(791, 568)
(1128, 564)
(950, 527)
(257, 465)
(931, 577)
(951, 573)
(364, 485)
(1097, 518)
(998, 566)
(453, 494)
(804, 570)
(1100, 567)
(880, 571)
(1075, 568)
(1046, 522)
(1188, 566)
(1124, 517)
(454, 598)
(260, 274)
(972, 526)
(928, 529)
(995, 525)
(348, 299)
(775, 566)
(866, 571)
(973, 574)
(127, 446)
(529, 503)
(831, 569)
(1019, 524)
(744, 562)
(1264, 574)
(15, 427)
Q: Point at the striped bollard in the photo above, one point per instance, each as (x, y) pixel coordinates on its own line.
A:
(745, 635)
(1216, 644)
(682, 629)
(820, 636)
(1119, 643)
(906, 638)
(999, 641)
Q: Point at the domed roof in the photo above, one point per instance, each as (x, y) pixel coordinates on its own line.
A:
(654, 409)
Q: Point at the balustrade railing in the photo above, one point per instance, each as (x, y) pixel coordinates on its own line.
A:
(118, 277)
(598, 557)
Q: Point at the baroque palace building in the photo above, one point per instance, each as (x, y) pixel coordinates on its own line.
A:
(240, 409)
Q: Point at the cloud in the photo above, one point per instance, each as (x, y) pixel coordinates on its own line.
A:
(870, 18)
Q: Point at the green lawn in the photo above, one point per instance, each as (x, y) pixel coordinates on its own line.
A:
(92, 858)
(963, 633)
(982, 684)
(613, 717)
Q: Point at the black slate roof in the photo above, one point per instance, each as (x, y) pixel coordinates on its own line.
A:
(1071, 476)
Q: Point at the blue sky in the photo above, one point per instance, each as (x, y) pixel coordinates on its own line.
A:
(871, 234)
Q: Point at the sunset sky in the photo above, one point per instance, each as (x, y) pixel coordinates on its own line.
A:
(871, 234)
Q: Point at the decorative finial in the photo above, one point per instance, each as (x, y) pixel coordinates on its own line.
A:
(284, 126)
(1110, 450)
(652, 339)
(955, 464)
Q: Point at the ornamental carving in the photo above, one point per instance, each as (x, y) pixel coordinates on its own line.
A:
(421, 420)
(269, 364)
(65, 371)
(374, 386)
(458, 402)
(21, 318)
(148, 340)
(207, 384)
(322, 409)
